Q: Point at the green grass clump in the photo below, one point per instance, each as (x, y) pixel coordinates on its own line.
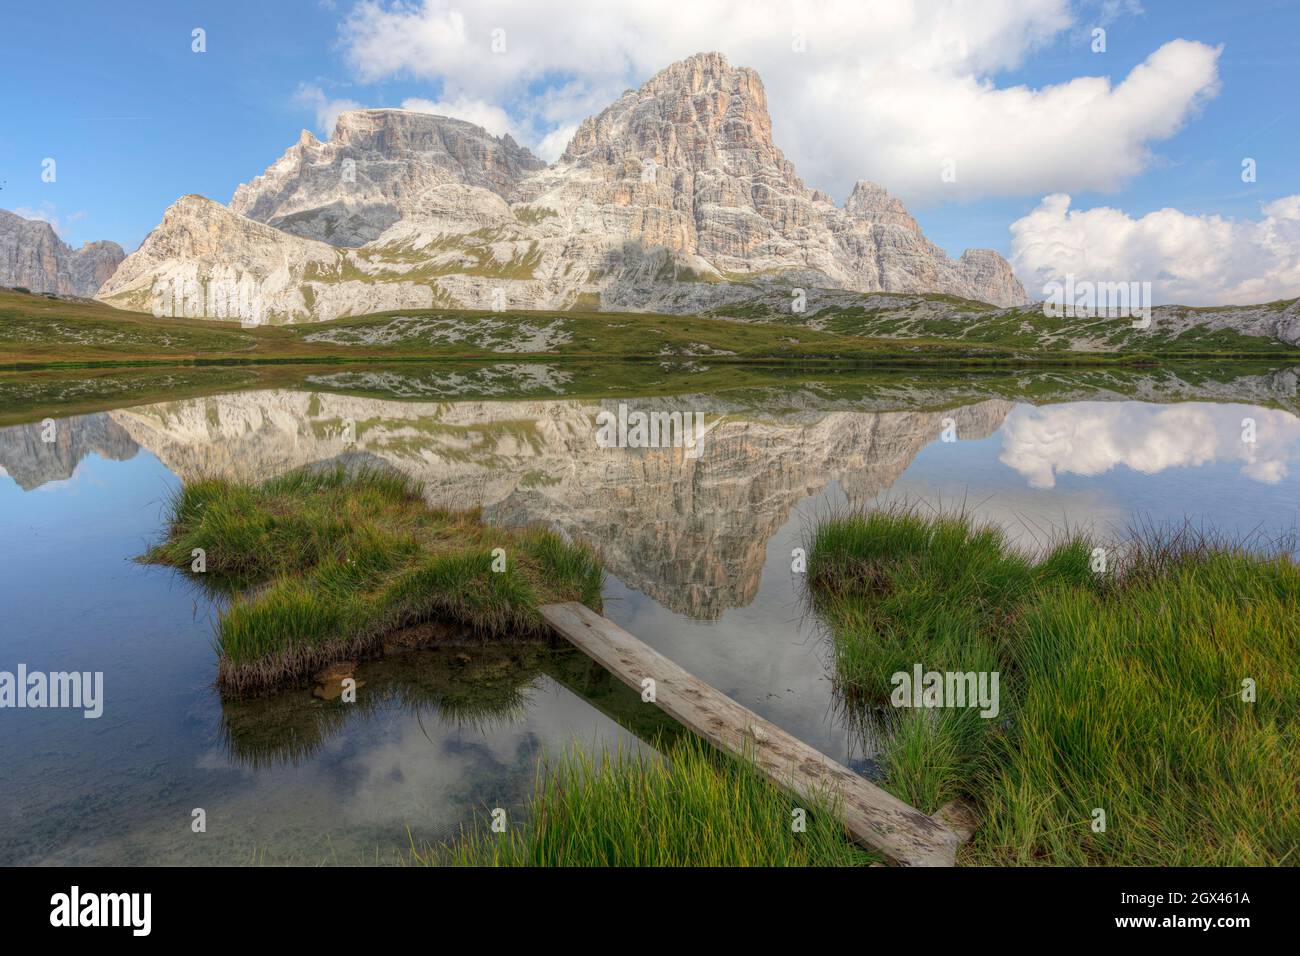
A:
(1120, 691)
(325, 562)
(691, 807)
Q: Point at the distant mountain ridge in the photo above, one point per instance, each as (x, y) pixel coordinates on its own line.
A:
(32, 256)
(673, 199)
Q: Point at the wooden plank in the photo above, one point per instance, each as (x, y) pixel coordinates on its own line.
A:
(875, 818)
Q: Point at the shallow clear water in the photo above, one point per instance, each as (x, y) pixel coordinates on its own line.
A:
(698, 552)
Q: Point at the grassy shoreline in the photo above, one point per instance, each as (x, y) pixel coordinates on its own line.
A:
(324, 564)
(34, 395)
(1121, 691)
(37, 332)
(687, 806)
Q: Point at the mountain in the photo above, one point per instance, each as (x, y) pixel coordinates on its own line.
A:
(395, 157)
(204, 261)
(687, 163)
(673, 199)
(32, 256)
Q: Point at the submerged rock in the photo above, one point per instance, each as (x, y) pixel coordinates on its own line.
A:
(329, 680)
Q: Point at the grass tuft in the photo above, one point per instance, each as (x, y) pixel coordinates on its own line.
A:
(1121, 690)
(324, 562)
(690, 807)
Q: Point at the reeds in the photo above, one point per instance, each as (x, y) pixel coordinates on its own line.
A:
(1125, 691)
(692, 806)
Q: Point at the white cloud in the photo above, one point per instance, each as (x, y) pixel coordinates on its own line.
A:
(1091, 438)
(1190, 260)
(552, 145)
(63, 224)
(1111, 10)
(885, 92)
(479, 112)
(48, 212)
(327, 110)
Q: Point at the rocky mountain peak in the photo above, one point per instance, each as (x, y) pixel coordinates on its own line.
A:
(32, 256)
(871, 203)
(675, 198)
(372, 172)
(697, 114)
(987, 271)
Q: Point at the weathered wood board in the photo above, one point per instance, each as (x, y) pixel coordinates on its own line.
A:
(876, 819)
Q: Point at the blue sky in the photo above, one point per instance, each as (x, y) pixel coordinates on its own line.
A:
(1198, 170)
(135, 119)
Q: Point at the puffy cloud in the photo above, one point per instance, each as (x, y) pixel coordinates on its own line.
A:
(1091, 438)
(327, 110)
(1190, 260)
(886, 92)
(553, 144)
(492, 118)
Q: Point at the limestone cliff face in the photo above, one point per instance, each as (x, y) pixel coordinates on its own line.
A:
(987, 272)
(373, 172)
(884, 250)
(687, 163)
(674, 199)
(33, 257)
(690, 532)
(204, 261)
